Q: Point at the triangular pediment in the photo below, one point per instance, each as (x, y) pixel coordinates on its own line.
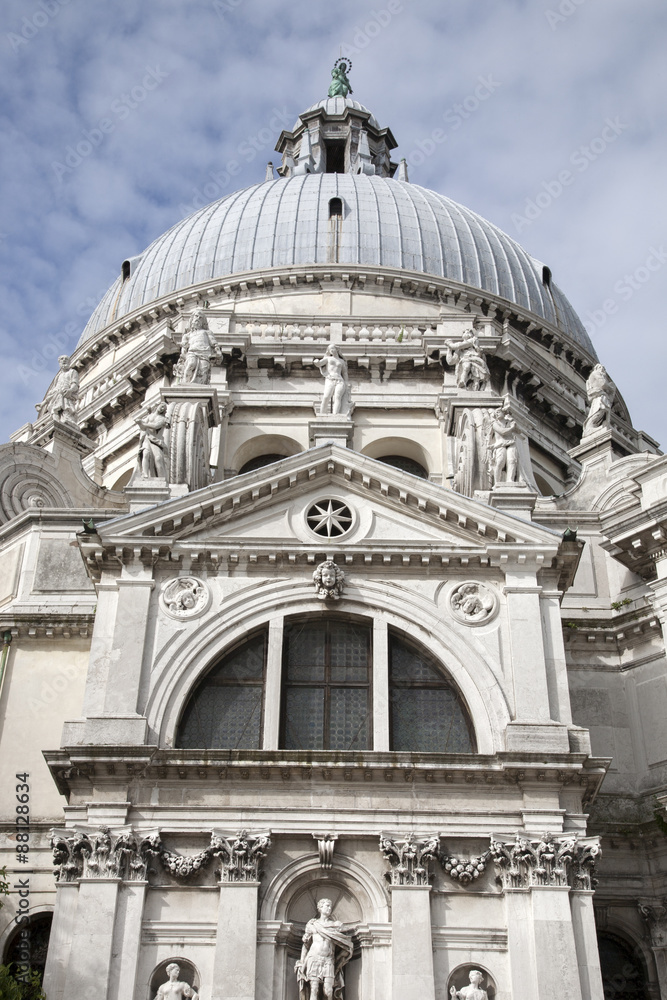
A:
(270, 506)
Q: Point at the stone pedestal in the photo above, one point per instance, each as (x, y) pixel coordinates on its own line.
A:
(193, 410)
(411, 943)
(90, 953)
(235, 960)
(143, 493)
(514, 499)
(331, 429)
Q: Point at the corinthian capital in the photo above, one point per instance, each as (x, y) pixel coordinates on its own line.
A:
(410, 859)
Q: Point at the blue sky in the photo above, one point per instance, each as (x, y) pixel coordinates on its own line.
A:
(551, 119)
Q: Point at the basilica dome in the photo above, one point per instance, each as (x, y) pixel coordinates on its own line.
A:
(385, 223)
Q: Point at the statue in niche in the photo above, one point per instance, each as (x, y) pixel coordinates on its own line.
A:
(326, 949)
(600, 391)
(198, 349)
(334, 370)
(504, 457)
(152, 460)
(65, 393)
(472, 992)
(328, 579)
(472, 371)
(174, 989)
(340, 85)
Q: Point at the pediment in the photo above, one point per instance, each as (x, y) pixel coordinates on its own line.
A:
(269, 506)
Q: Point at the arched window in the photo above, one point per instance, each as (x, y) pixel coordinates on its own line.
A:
(405, 465)
(426, 712)
(326, 685)
(225, 710)
(39, 929)
(326, 669)
(259, 462)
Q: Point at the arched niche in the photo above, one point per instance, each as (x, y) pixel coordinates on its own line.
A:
(39, 931)
(623, 966)
(460, 978)
(398, 447)
(358, 897)
(275, 446)
(188, 974)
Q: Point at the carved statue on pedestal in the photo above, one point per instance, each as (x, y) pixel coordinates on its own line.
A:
(472, 371)
(153, 459)
(326, 949)
(197, 351)
(173, 989)
(65, 393)
(600, 391)
(504, 457)
(472, 992)
(334, 369)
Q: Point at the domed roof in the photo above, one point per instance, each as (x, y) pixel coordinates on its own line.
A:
(386, 222)
(335, 106)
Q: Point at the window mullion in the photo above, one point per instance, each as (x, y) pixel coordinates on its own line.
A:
(380, 686)
(272, 689)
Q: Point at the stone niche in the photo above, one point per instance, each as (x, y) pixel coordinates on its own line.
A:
(188, 974)
(301, 909)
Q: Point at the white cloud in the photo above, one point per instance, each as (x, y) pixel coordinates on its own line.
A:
(63, 241)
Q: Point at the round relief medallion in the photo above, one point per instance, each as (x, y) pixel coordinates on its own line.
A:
(329, 518)
(185, 597)
(473, 603)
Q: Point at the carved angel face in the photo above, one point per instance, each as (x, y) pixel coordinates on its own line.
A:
(328, 577)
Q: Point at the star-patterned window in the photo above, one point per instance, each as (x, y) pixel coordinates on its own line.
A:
(329, 518)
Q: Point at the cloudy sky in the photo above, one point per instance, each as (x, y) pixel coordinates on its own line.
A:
(565, 152)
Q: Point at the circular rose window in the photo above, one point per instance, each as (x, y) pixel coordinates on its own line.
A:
(329, 518)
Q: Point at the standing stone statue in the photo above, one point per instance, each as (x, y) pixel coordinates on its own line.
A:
(472, 370)
(326, 949)
(340, 85)
(197, 351)
(600, 391)
(152, 460)
(472, 992)
(65, 393)
(334, 369)
(504, 457)
(173, 989)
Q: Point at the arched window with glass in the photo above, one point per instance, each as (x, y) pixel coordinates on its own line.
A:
(325, 673)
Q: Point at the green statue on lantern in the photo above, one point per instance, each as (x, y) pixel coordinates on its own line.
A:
(340, 85)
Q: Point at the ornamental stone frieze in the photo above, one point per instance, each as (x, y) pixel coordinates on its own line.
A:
(103, 855)
(547, 861)
(409, 859)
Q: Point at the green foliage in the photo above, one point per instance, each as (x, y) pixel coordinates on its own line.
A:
(617, 605)
(4, 885)
(14, 989)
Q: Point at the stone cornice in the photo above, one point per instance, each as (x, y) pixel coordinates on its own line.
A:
(79, 766)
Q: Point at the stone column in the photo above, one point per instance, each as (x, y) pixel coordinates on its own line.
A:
(655, 915)
(127, 940)
(235, 961)
(89, 963)
(586, 943)
(411, 943)
(134, 594)
(549, 941)
(60, 943)
(235, 958)
(411, 937)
